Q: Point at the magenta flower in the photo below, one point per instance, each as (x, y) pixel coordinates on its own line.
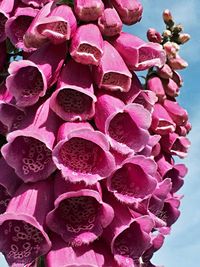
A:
(80, 215)
(175, 145)
(10, 117)
(137, 54)
(74, 97)
(83, 155)
(154, 36)
(133, 180)
(112, 74)
(23, 237)
(176, 172)
(52, 23)
(17, 25)
(171, 87)
(130, 11)
(165, 72)
(176, 112)
(9, 182)
(3, 18)
(36, 3)
(96, 254)
(129, 237)
(29, 79)
(155, 84)
(36, 136)
(110, 23)
(162, 123)
(87, 45)
(122, 124)
(88, 10)
(147, 99)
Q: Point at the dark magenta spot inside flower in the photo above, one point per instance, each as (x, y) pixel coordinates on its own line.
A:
(74, 102)
(88, 49)
(4, 199)
(32, 156)
(27, 83)
(116, 79)
(130, 242)
(78, 213)
(59, 27)
(20, 26)
(22, 242)
(83, 156)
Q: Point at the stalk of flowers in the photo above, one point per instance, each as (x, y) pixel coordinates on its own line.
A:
(88, 175)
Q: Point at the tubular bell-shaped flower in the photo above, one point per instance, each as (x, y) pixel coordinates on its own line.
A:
(96, 254)
(130, 11)
(36, 3)
(133, 180)
(126, 126)
(74, 97)
(129, 237)
(162, 123)
(155, 84)
(29, 79)
(6, 8)
(110, 23)
(83, 154)
(80, 215)
(137, 54)
(176, 112)
(87, 45)
(147, 99)
(176, 172)
(23, 237)
(9, 182)
(52, 23)
(175, 145)
(17, 25)
(10, 117)
(88, 10)
(112, 73)
(28, 149)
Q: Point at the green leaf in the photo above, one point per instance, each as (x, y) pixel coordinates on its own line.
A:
(41, 262)
(66, 2)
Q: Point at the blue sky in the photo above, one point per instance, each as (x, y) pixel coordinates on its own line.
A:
(182, 247)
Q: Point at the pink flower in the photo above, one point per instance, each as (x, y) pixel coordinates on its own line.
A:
(23, 237)
(35, 3)
(17, 25)
(161, 121)
(133, 180)
(137, 54)
(110, 23)
(80, 215)
(52, 23)
(74, 97)
(130, 11)
(112, 73)
(175, 145)
(88, 10)
(125, 125)
(87, 45)
(30, 79)
(82, 154)
(29, 148)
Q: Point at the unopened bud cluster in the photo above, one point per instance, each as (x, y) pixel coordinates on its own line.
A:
(87, 176)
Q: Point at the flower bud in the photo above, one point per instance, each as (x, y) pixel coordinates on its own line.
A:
(154, 36)
(167, 16)
(110, 23)
(130, 11)
(177, 63)
(88, 10)
(183, 38)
